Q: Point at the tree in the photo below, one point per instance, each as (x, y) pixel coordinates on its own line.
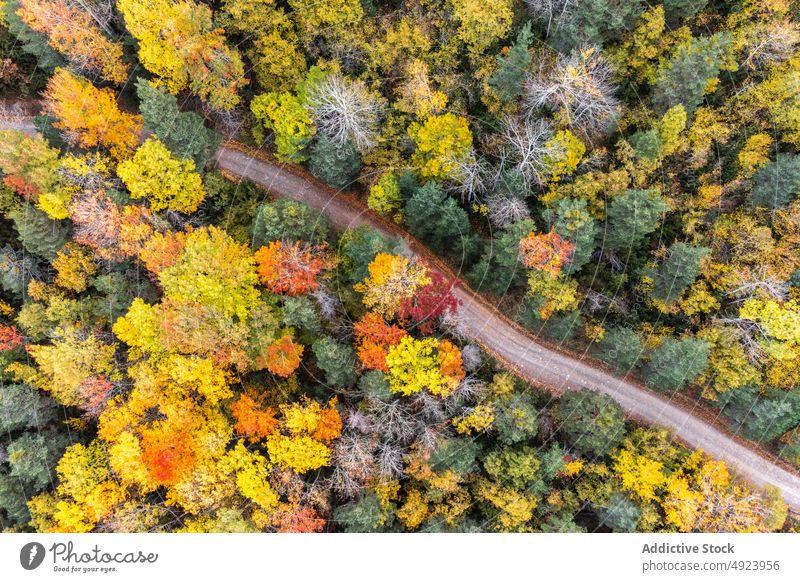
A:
(577, 88)
(546, 252)
(277, 60)
(442, 141)
(684, 78)
(335, 165)
(677, 272)
(630, 217)
(184, 134)
(358, 247)
(500, 267)
(287, 220)
(23, 407)
(38, 233)
(221, 271)
(430, 364)
(391, 280)
(68, 367)
(438, 220)
(32, 42)
(289, 268)
(481, 25)
(509, 78)
(178, 42)
(74, 266)
(31, 169)
(593, 424)
(287, 117)
(571, 24)
(363, 515)
(621, 348)
(313, 16)
(89, 116)
(283, 356)
(336, 360)
(760, 417)
(385, 197)
(75, 31)
(164, 180)
(675, 362)
(620, 513)
(777, 183)
(527, 146)
(345, 111)
(430, 303)
(571, 219)
(373, 338)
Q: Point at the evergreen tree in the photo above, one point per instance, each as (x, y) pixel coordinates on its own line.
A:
(33, 43)
(621, 349)
(677, 272)
(777, 183)
(38, 233)
(184, 134)
(591, 423)
(358, 247)
(337, 166)
(631, 217)
(508, 79)
(571, 219)
(761, 417)
(676, 362)
(437, 219)
(620, 513)
(500, 268)
(285, 219)
(364, 515)
(683, 80)
(337, 360)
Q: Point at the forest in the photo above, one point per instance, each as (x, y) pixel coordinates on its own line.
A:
(184, 351)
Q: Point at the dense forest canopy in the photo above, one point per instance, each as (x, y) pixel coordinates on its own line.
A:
(181, 352)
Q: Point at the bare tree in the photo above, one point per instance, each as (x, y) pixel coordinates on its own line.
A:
(578, 87)
(346, 111)
(525, 147)
(550, 11)
(470, 178)
(771, 42)
(505, 208)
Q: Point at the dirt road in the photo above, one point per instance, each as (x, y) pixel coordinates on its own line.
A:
(520, 351)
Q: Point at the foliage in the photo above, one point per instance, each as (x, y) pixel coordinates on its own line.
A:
(178, 43)
(676, 362)
(285, 115)
(89, 116)
(591, 423)
(72, 31)
(184, 133)
(165, 181)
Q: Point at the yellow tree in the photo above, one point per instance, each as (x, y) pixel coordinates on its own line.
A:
(164, 180)
(391, 280)
(88, 116)
(179, 43)
(71, 30)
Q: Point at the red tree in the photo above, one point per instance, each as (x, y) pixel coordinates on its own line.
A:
(430, 303)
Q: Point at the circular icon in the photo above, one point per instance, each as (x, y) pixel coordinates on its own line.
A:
(31, 555)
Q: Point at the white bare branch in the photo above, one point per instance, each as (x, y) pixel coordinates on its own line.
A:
(577, 87)
(346, 111)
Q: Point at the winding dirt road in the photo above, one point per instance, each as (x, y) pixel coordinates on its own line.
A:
(520, 351)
